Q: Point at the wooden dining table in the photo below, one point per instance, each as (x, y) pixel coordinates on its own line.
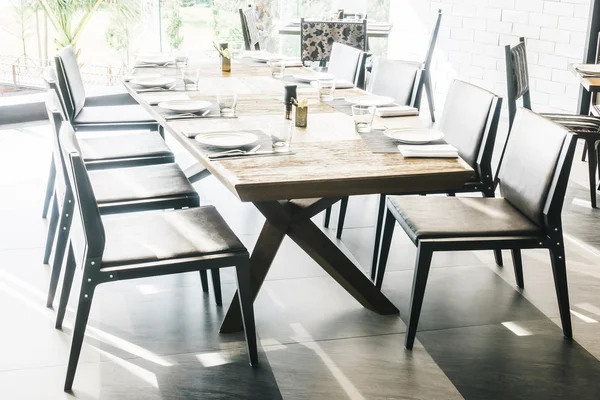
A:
(329, 160)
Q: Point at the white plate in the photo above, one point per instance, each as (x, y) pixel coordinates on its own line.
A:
(589, 68)
(154, 82)
(127, 78)
(260, 56)
(370, 100)
(414, 136)
(227, 140)
(312, 77)
(185, 105)
(159, 59)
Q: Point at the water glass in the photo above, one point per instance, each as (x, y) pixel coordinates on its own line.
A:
(326, 89)
(363, 118)
(181, 58)
(190, 78)
(277, 67)
(281, 134)
(227, 104)
(236, 48)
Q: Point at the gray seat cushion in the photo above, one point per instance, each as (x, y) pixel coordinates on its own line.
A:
(113, 114)
(454, 217)
(153, 236)
(136, 183)
(121, 144)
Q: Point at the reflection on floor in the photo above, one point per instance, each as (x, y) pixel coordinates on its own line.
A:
(157, 338)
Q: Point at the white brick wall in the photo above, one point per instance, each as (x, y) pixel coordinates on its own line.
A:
(474, 33)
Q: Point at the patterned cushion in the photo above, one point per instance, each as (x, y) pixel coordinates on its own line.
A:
(317, 37)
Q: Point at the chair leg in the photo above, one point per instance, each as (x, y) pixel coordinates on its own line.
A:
(216, 281)
(51, 230)
(584, 153)
(422, 267)
(62, 242)
(204, 280)
(49, 188)
(327, 217)
(518, 265)
(83, 312)
(342, 217)
(430, 101)
(66, 289)
(559, 269)
(498, 258)
(386, 241)
(378, 228)
(592, 171)
(246, 305)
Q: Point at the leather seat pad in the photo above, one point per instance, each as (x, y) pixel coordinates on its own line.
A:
(123, 144)
(113, 114)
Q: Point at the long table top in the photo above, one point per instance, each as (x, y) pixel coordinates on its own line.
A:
(330, 159)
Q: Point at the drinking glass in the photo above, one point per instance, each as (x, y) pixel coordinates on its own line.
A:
(326, 89)
(181, 58)
(190, 78)
(281, 134)
(363, 117)
(277, 67)
(227, 104)
(236, 48)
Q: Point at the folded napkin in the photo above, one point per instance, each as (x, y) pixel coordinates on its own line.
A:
(396, 111)
(428, 151)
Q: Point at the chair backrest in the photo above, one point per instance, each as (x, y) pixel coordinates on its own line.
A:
(397, 79)
(89, 214)
(49, 76)
(469, 122)
(345, 62)
(249, 30)
(517, 78)
(70, 82)
(56, 119)
(537, 161)
(317, 37)
(432, 41)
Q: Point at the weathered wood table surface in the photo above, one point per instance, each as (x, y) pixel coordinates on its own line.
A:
(330, 161)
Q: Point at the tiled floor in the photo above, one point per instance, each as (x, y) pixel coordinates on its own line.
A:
(157, 338)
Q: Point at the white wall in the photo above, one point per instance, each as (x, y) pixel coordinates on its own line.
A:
(473, 35)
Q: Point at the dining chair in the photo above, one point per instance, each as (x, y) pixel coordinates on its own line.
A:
(469, 123)
(426, 83)
(317, 38)
(585, 127)
(348, 63)
(528, 216)
(595, 106)
(249, 30)
(73, 98)
(138, 188)
(143, 245)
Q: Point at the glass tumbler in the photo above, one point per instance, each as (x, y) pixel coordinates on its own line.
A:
(277, 67)
(190, 78)
(326, 89)
(281, 134)
(363, 118)
(227, 104)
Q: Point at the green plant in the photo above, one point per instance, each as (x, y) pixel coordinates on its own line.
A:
(175, 24)
(22, 11)
(118, 36)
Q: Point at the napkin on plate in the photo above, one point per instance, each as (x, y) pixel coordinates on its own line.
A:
(396, 111)
(428, 151)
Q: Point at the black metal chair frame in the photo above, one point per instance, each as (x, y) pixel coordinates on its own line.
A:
(426, 82)
(246, 30)
(93, 275)
(551, 239)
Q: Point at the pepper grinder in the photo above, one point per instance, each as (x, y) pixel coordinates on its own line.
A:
(288, 98)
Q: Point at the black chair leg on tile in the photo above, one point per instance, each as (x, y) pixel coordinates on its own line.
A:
(518, 265)
(386, 241)
(342, 217)
(559, 270)
(584, 153)
(247, 308)
(204, 280)
(327, 217)
(51, 230)
(83, 312)
(49, 188)
(498, 258)
(592, 171)
(378, 228)
(216, 281)
(422, 267)
(66, 289)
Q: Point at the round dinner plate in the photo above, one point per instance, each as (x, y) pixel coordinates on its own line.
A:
(227, 140)
(260, 56)
(590, 69)
(154, 81)
(314, 77)
(414, 136)
(370, 100)
(159, 59)
(185, 105)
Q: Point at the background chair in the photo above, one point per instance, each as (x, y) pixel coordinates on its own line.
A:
(469, 122)
(249, 30)
(317, 38)
(586, 127)
(529, 215)
(196, 239)
(426, 83)
(348, 64)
